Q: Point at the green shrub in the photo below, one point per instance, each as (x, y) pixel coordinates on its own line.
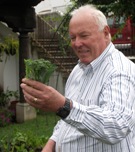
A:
(6, 96)
(6, 116)
(22, 142)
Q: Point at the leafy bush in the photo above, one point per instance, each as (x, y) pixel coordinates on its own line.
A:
(6, 96)
(22, 143)
(6, 117)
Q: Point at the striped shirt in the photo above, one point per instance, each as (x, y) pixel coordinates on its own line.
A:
(103, 115)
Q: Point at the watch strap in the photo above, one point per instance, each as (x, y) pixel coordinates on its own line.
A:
(64, 111)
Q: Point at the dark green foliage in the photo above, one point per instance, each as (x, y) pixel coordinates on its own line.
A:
(119, 7)
(22, 142)
(6, 117)
(6, 96)
(10, 46)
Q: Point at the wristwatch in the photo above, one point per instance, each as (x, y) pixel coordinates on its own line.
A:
(64, 111)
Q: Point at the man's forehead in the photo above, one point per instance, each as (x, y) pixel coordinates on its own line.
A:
(84, 18)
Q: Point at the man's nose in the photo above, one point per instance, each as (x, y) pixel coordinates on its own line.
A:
(77, 42)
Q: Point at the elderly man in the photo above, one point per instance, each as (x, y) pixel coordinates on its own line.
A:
(98, 109)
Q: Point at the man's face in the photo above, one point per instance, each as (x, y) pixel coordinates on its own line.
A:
(86, 39)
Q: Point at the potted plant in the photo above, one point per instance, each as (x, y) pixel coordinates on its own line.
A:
(10, 46)
(6, 96)
(8, 106)
(2, 50)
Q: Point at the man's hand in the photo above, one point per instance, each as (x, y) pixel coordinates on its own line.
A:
(42, 96)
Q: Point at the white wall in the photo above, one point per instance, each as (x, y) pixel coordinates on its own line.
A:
(11, 73)
(52, 5)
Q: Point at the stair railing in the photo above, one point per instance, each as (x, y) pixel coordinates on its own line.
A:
(44, 31)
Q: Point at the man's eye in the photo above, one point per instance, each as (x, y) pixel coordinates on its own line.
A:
(84, 36)
(72, 38)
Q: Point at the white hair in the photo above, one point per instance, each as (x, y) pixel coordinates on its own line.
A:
(97, 14)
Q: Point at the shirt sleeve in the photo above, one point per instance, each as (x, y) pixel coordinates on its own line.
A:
(114, 117)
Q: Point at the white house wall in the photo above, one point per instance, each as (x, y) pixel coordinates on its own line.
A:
(11, 73)
(51, 6)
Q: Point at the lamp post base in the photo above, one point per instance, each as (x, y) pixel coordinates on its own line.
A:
(24, 112)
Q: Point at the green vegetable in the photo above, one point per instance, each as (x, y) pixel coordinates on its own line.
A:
(39, 69)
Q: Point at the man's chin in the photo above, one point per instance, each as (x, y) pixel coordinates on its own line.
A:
(85, 61)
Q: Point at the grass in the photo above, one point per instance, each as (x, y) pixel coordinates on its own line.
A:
(41, 126)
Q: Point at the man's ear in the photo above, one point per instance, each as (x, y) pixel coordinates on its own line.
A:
(107, 31)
